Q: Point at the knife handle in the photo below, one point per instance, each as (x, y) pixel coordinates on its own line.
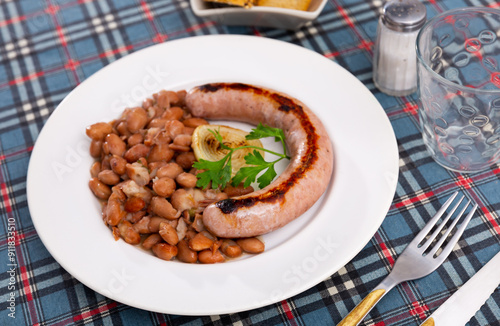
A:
(361, 310)
(428, 322)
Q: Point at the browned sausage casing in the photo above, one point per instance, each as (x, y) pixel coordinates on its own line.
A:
(297, 188)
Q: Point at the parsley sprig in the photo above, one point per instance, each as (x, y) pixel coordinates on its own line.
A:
(219, 172)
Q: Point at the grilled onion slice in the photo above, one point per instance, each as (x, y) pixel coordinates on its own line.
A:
(207, 147)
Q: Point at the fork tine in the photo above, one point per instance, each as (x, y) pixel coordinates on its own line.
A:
(433, 236)
(448, 231)
(421, 235)
(454, 239)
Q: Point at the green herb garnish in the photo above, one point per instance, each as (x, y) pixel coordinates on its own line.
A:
(219, 172)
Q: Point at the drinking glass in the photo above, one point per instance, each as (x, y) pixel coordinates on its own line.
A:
(458, 57)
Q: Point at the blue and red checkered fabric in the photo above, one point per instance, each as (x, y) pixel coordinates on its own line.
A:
(48, 47)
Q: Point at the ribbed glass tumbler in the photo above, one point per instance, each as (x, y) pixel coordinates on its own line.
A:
(458, 56)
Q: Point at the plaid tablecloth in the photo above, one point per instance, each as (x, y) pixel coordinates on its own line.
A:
(48, 47)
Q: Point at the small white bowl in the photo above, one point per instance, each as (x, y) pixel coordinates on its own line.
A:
(258, 16)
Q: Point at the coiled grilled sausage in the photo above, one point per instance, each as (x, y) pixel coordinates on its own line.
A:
(297, 188)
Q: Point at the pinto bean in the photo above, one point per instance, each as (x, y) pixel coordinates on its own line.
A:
(115, 144)
(160, 152)
(194, 122)
(118, 164)
(153, 112)
(183, 140)
(147, 103)
(185, 254)
(128, 233)
(182, 200)
(95, 169)
(162, 138)
(251, 245)
(238, 190)
(154, 223)
(138, 172)
(190, 234)
(163, 100)
(171, 170)
(157, 123)
(173, 113)
(105, 165)
(188, 131)
(179, 148)
(105, 148)
(181, 228)
(132, 189)
(118, 194)
(156, 165)
(168, 233)
(142, 226)
(136, 152)
(198, 223)
(161, 207)
(99, 189)
(221, 196)
(135, 139)
(108, 177)
(210, 236)
(153, 168)
(95, 148)
(181, 95)
(200, 242)
(115, 232)
(185, 160)
(150, 135)
(137, 118)
(114, 212)
(164, 187)
(186, 180)
(230, 248)
(99, 130)
(165, 251)
(134, 204)
(143, 162)
(174, 128)
(172, 97)
(122, 129)
(135, 216)
(208, 256)
(151, 240)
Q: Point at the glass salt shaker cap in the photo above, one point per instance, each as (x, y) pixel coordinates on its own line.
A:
(404, 15)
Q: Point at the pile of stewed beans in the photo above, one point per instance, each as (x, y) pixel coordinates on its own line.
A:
(144, 176)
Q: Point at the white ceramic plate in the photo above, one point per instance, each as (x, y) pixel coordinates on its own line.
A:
(297, 257)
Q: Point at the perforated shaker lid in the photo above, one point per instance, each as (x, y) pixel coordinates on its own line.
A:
(404, 15)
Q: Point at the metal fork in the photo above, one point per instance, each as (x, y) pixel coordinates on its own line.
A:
(418, 259)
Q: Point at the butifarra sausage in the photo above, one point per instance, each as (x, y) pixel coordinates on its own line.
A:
(299, 186)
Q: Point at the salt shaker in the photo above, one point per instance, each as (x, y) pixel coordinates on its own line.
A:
(395, 60)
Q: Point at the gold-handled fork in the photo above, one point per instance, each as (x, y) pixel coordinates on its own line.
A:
(418, 259)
